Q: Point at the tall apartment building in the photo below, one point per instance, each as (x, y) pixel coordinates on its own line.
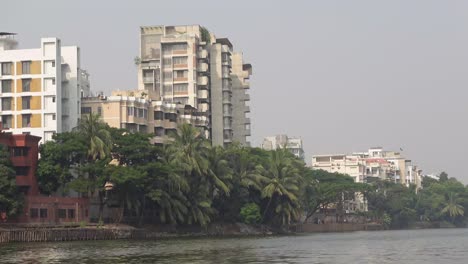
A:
(374, 163)
(188, 65)
(41, 88)
(293, 144)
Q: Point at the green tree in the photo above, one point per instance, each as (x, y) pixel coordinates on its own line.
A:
(452, 208)
(282, 187)
(97, 136)
(11, 200)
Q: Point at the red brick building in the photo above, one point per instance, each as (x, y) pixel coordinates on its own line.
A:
(38, 208)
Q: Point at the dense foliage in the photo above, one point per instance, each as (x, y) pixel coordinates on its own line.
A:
(10, 199)
(189, 182)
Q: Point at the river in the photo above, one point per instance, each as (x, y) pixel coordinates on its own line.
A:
(404, 246)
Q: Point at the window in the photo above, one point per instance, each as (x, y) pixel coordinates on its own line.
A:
(26, 120)
(170, 116)
(180, 60)
(86, 110)
(43, 212)
(6, 68)
(26, 67)
(6, 86)
(26, 133)
(140, 112)
(53, 99)
(167, 62)
(62, 213)
(99, 110)
(158, 115)
(53, 64)
(6, 104)
(181, 89)
(71, 213)
(20, 151)
(167, 89)
(34, 212)
(53, 81)
(54, 117)
(181, 74)
(21, 171)
(7, 121)
(130, 111)
(26, 102)
(26, 85)
(179, 47)
(145, 113)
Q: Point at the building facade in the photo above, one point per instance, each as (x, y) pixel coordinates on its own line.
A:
(135, 111)
(188, 65)
(293, 144)
(40, 89)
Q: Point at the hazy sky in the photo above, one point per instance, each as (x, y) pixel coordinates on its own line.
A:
(343, 75)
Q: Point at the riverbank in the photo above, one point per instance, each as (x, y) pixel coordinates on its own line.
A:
(113, 232)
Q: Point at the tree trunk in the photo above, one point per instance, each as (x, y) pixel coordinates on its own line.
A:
(266, 209)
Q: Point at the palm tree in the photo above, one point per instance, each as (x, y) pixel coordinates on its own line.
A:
(283, 184)
(453, 208)
(97, 136)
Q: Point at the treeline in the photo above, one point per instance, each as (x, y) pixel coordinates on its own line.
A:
(439, 201)
(189, 182)
(186, 181)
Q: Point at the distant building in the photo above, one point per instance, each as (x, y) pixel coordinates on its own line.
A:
(37, 208)
(293, 144)
(41, 88)
(374, 163)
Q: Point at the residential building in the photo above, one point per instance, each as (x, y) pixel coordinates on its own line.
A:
(135, 111)
(40, 89)
(293, 144)
(37, 208)
(188, 65)
(374, 163)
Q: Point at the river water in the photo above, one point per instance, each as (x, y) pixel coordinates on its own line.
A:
(445, 246)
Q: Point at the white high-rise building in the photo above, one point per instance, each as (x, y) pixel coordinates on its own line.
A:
(40, 89)
(188, 65)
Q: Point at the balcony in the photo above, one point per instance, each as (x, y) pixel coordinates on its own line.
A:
(227, 101)
(181, 79)
(148, 79)
(247, 132)
(247, 120)
(202, 80)
(180, 66)
(247, 97)
(168, 124)
(247, 109)
(203, 95)
(203, 107)
(202, 67)
(203, 54)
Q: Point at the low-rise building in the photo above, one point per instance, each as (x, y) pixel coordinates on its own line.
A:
(37, 208)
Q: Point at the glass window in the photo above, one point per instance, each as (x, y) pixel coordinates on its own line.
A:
(62, 213)
(26, 67)
(6, 68)
(180, 88)
(7, 121)
(26, 102)
(85, 110)
(71, 213)
(6, 86)
(26, 85)
(22, 171)
(34, 212)
(129, 111)
(6, 104)
(180, 60)
(26, 120)
(43, 212)
(158, 115)
(99, 110)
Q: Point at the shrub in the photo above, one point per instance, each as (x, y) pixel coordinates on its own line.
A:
(250, 213)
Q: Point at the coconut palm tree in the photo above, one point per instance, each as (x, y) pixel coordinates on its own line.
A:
(97, 136)
(452, 207)
(283, 183)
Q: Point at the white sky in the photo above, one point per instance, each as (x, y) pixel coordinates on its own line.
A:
(343, 75)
